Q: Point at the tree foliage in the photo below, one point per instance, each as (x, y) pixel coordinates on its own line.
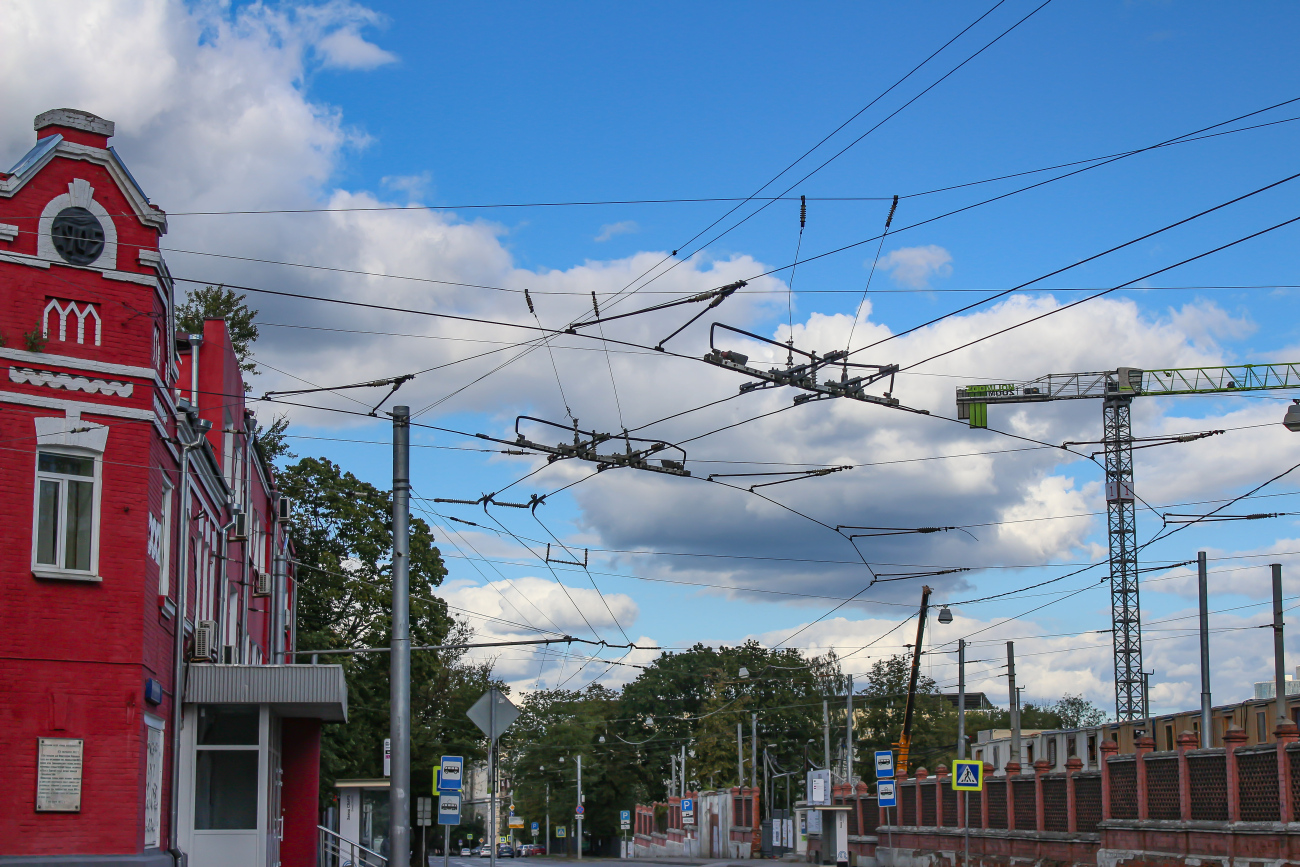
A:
(342, 536)
(218, 302)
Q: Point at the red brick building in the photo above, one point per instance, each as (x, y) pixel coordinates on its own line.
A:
(138, 501)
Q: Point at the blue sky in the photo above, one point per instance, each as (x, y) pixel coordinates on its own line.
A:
(344, 105)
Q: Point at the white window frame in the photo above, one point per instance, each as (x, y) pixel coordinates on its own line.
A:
(165, 543)
(45, 570)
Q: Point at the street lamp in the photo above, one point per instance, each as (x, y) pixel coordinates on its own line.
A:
(744, 672)
(1292, 418)
(945, 616)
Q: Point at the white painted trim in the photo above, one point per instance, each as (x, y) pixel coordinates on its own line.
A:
(69, 432)
(46, 358)
(80, 194)
(145, 212)
(121, 276)
(8, 232)
(76, 407)
(54, 379)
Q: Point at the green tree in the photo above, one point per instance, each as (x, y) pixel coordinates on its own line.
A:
(883, 701)
(218, 302)
(342, 537)
(1075, 711)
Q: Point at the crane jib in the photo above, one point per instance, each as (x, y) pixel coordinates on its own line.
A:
(973, 400)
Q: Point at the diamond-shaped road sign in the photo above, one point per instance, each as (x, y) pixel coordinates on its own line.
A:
(493, 713)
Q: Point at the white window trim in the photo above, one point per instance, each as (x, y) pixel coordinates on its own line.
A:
(44, 570)
(165, 546)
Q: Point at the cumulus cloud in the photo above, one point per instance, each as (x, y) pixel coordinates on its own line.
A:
(214, 114)
(623, 227)
(914, 266)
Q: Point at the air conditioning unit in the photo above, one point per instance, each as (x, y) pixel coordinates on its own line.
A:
(239, 530)
(283, 509)
(205, 641)
(261, 583)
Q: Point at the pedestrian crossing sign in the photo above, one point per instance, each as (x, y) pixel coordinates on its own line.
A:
(967, 776)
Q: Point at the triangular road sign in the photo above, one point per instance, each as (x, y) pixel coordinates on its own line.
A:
(967, 777)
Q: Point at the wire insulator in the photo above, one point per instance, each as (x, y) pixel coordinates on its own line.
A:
(594, 305)
(803, 210)
(529, 299)
(892, 208)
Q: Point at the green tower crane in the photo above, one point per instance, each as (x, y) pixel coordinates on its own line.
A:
(1116, 389)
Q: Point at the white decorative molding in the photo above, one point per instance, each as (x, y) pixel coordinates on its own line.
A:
(75, 408)
(150, 258)
(122, 276)
(32, 376)
(145, 212)
(80, 311)
(80, 194)
(8, 232)
(71, 431)
(155, 539)
(49, 358)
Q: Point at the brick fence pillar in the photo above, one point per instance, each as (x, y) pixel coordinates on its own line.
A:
(1142, 746)
(1286, 732)
(1107, 749)
(1013, 771)
(1073, 765)
(921, 775)
(1186, 741)
(1041, 767)
(984, 796)
(1233, 738)
(940, 774)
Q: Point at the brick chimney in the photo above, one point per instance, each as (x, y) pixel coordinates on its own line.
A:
(74, 125)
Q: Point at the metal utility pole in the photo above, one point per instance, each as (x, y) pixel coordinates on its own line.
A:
(848, 734)
(399, 810)
(1015, 703)
(1207, 734)
(683, 791)
(826, 734)
(740, 754)
(548, 818)
(1279, 649)
(580, 805)
(961, 698)
(753, 751)
(1117, 388)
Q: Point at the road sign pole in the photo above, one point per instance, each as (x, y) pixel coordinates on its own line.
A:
(580, 807)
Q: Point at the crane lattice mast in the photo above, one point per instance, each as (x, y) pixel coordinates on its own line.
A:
(1116, 389)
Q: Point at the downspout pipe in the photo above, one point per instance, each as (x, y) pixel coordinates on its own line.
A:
(200, 427)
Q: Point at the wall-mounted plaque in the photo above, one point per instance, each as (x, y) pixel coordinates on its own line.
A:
(58, 775)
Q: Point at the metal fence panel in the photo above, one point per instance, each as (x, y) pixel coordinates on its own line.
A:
(1123, 788)
(1257, 775)
(927, 804)
(1025, 792)
(1055, 805)
(950, 817)
(1087, 802)
(907, 802)
(1162, 787)
(997, 795)
(1208, 773)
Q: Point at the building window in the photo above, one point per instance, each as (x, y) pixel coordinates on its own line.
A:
(996, 759)
(1051, 752)
(225, 767)
(1092, 749)
(165, 543)
(1261, 728)
(65, 512)
(1170, 744)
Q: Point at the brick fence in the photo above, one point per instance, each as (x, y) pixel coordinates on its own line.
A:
(1218, 804)
(1210, 806)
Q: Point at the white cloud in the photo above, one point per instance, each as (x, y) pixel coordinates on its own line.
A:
(623, 227)
(213, 114)
(346, 49)
(414, 186)
(914, 266)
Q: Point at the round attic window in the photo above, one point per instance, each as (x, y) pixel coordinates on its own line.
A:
(78, 236)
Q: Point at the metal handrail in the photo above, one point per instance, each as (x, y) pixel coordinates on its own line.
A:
(336, 850)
